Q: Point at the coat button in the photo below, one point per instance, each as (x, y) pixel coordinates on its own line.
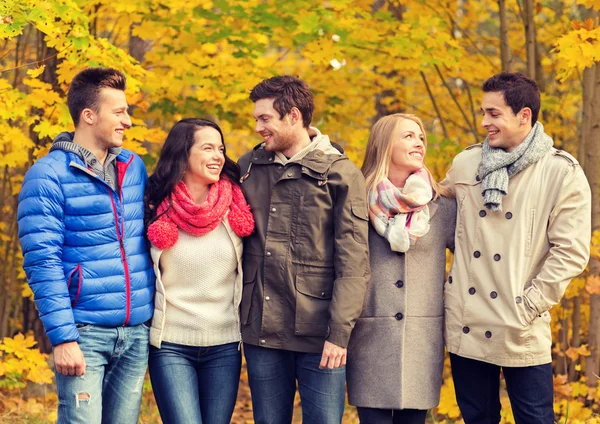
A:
(297, 332)
(450, 279)
(273, 209)
(477, 253)
(482, 213)
(267, 298)
(497, 257)
(270, 159)
(508, 215)
(493, 295)
(289, 174)
(399, 316)
(466, 330)
(472, 290)
(518, 299)
(263, 341)
(488, 334)
(323, 294)
(399, 284)
(268, 253)
(478, 178)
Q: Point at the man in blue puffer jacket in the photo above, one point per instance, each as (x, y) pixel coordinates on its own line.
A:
(81, 228)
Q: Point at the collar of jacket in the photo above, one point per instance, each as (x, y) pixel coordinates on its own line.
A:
(316, 160)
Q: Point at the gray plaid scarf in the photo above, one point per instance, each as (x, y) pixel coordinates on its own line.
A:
(498, 166)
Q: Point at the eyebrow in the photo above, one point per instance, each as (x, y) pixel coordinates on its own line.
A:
(489, 109)
(411, 132)
(210, 143)
(122, 108)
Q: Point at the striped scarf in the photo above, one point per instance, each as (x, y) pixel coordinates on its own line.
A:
(401, 216)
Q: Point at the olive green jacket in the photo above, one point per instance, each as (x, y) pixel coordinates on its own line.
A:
(307, 263)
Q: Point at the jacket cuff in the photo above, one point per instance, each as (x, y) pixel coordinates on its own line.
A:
(338, 335)
(62, 335)
(535, 301)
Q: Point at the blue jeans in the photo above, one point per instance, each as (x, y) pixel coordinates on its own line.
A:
(110, 391)
(477, 385)
(195, 385)
(272, 375)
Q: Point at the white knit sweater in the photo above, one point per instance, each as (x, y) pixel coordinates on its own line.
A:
(197, 279)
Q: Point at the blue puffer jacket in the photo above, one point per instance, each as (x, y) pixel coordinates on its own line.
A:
(83, 244)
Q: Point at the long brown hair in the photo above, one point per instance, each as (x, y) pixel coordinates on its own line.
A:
(376, 165)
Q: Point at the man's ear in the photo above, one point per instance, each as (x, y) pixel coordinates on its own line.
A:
(295, 115)
(88, 116)
(525, 115)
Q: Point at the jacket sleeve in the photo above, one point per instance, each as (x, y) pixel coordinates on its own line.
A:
(41, 233)
(449, 181)
(351, 259)
(569, 233)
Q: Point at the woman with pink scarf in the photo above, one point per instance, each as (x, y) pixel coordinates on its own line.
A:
(197, 216)
(396, 351)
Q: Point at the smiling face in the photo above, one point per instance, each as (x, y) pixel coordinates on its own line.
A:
(505, 129)
(206, 159)
(277, 133)
(111, 119)
(408, 147)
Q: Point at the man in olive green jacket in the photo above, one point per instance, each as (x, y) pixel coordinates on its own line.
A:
(306, 265)
(522, 233)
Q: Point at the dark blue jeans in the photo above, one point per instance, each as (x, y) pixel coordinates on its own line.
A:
(195, 385)
(391, 416)
(272, 375)
(477, 385)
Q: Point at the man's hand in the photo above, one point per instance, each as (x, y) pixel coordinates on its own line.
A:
(333, 356)
(68, 359)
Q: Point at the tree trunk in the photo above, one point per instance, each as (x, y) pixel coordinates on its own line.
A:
(575, 337)
(395, 106)
(563, 339)
(589, 75)
(138, 47)
(504, 45)
(528, 9)
(592, 168)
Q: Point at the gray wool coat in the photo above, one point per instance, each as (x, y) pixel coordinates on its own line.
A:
(396, 351)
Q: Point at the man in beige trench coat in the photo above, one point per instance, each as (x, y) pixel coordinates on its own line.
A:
(522, 233)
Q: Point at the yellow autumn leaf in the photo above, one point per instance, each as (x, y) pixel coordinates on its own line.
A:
(34, 73)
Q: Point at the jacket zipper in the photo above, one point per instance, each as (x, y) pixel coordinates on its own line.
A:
(121, 231)
(124, 258)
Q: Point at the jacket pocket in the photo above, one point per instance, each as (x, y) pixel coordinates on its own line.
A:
(360, 223)
(530, 226)
(75, 276)
(313, 296)
(247, 294)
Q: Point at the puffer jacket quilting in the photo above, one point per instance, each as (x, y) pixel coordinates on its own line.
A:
(84, 250)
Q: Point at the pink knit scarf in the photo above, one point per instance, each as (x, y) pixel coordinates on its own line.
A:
(197, 220)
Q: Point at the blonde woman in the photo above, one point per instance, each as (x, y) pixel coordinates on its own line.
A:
(396, 353)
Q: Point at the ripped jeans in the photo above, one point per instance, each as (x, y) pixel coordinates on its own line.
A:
(110, 391)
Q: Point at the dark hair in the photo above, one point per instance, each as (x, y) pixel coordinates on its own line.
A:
(84, 92)
(287, 92)
(518, 90)
(173, 160)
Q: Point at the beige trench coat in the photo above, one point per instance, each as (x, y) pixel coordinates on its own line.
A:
(511, 267)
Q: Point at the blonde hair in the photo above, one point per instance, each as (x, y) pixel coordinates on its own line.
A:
(376, 165)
